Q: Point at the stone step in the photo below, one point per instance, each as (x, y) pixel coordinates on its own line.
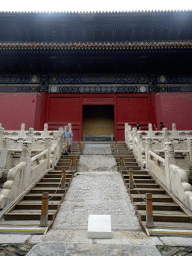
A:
(126, 173)
(38, 196)
(141, 176)
(128, 164)
(50, 190)
(155, 198)
(147, 181)
(158, 206)
(165, 216)
(145, 185)
(33, 205)
(48, 184)
(147, 190)
(28, 214)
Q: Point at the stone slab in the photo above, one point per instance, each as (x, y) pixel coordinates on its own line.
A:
(16, 239)
(99, 226)
(61, 249)
(80, 236)
(176, 241)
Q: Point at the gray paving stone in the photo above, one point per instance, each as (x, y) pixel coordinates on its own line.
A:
(17, 239)
(176, 241)
(61, 249)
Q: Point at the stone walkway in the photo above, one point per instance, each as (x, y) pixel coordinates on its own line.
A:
(97, 191)
(97, 188)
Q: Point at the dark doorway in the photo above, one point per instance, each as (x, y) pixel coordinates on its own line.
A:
(98, 120)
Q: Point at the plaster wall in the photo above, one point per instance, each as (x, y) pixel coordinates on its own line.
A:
(174, 108)
(19, 108)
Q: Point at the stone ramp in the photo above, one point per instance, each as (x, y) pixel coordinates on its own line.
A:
(62, 249)
(97, 193)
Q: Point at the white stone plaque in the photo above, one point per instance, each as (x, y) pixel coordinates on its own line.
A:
(99, 226)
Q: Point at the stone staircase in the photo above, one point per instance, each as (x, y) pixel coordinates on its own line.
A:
(170, 217)
(24, 216)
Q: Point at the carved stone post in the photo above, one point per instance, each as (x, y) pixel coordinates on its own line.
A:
(4, 153)
(26, 151)
(30, 134)
(1, 137)
(126, 133)
(45, 132)
(22, 131)
(174, 130)
(48, 146)
(130, 139)
(149, 143)
(70, 126)
(141, 149)
(26, 157)
(61, 138)
(150, 132)
(189, 146)
(169, 159)
(165, 135)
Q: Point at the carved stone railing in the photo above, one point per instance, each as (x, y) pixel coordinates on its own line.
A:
(29, 169)
(138, 147)
(172, 177)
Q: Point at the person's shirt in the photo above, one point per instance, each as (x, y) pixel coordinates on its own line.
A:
(68, 134)
(162, 126)
(138, 127)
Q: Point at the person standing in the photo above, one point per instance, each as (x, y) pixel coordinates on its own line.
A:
(162, 126)
(68, 136)
(138, 127)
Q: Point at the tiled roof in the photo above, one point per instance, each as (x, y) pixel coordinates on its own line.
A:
(144, 26)
(97, 45)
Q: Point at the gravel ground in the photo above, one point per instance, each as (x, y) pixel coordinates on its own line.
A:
(97, 163)
(97, 149)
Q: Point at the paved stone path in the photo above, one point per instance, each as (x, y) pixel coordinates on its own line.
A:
(99, 190)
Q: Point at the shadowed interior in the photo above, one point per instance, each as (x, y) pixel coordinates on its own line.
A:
(98, 120)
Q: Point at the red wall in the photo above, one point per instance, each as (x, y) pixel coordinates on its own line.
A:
(67, 108)
(174, 108)
(16, 109)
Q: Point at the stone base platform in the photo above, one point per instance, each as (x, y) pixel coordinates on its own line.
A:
(62, 249)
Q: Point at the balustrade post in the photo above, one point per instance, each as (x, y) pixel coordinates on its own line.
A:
(189, 146)
(165, 135)
(149, 143)
(150, 132)
(47, 145)
(30, 134)
(26, 157)
(4, 152)
(1, 137)
(131, 185)
(22, 131)
(130, 139)
(44, 210)
(149, 211)
(70, 126)
(63, 179)
(45, 131)
(174, 130)
(169, 159)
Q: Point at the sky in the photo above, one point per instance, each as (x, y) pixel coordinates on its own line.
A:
(90, 6)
